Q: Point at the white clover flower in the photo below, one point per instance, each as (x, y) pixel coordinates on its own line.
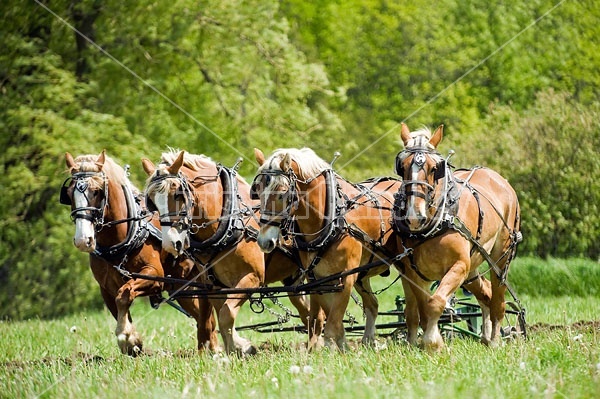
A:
(578, 337)
(522, 365)
(73, 329)
(307, 369)
(294, 369)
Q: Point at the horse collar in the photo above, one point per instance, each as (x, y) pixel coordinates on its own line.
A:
(137, 232)
(231, 226)
(334, 219)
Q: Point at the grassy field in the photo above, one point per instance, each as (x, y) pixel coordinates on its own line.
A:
(77, 357)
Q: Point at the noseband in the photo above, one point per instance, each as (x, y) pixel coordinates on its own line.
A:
(420, 155)
(81, 181)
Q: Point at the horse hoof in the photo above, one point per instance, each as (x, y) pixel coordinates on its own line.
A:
(250, 350)
(433, 347)
(130, 345)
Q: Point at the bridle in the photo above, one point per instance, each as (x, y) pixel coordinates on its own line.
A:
(80, 180)
(268, 217)
(183, 215)
(427, 191)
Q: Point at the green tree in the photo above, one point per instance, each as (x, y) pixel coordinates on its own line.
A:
(42, 115)
(549, 154)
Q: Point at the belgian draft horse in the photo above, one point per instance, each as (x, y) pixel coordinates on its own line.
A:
(110, 225)
(452, 222)
(204, 211)
(337, 226)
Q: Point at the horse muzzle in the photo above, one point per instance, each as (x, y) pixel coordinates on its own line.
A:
(85, 244)
(175, 242)
(267, 238)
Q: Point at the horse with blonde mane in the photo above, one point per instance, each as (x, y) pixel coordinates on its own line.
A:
(205, 210)
(337, 226)
(451, 223)
(112, 226)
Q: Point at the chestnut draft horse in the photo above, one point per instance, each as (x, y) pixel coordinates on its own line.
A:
(203, 211)
(452, 222)
(337, 226)
(112, 227)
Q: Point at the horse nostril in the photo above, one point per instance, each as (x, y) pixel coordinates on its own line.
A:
(89, 242)
(178, 246)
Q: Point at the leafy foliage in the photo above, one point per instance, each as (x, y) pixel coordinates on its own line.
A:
(549, 154)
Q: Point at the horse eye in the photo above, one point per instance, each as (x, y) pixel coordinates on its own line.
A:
(179, 196)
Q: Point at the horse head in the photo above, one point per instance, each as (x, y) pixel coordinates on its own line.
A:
(168, 193)
(86, 192)
(422, 169)
(275, 187)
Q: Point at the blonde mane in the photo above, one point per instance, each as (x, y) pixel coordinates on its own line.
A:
(194, 162)
(420, 138)
(112, 170)
(309, 163)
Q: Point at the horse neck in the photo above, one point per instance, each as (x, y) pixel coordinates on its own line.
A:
(115, 210)
(311, 206)
(208, 197)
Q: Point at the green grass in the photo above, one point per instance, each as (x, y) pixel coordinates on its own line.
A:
(77, 357)
(556, 277)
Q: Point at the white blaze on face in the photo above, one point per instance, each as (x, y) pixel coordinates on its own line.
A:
(173, 240)
(416, 207)
(85, 235)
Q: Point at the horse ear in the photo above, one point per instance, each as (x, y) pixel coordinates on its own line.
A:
(260, 157)
(286, 162)
(405, 134)
(436, 139)
(148, 166)
(177, 164)
(69, 160)
(101, 159)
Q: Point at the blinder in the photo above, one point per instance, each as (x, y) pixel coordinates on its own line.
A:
(399, 167)
(150, 206)
(64, 197)
(259, 185)
(440, 170)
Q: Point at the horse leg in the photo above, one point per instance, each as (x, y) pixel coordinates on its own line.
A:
(411, 312)
(127, 337)
(371, 308)
(202, 311)
(482, 290)
(432, 339)
(316, 322)
(335, 308)
(227, 314)
(303, 308)
(109, 301)
(498, 308)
